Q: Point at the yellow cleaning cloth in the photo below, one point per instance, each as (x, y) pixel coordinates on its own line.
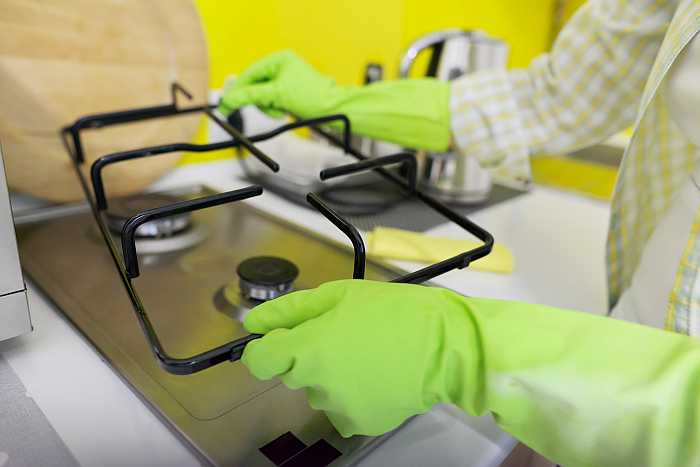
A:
(385, 242)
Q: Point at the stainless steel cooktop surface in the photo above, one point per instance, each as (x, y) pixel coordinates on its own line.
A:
(189, 288)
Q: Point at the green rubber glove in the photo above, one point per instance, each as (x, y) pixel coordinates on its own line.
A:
(582, 390)
(412, 113)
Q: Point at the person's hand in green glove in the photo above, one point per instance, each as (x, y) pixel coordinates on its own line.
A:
(413, 113)
(582, 390)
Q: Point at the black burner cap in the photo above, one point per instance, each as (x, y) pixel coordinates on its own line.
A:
(267, 270)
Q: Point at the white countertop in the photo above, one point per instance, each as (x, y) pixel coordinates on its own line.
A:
(557, 240)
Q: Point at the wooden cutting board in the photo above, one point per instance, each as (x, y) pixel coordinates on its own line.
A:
(62, 59)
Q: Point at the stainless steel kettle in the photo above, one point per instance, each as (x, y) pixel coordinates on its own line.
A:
(450, 176)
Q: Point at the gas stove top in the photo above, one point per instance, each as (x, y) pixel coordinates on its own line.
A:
(194, 302)
(159, 283)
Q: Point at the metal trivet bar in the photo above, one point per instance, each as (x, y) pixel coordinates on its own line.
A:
(127, 262)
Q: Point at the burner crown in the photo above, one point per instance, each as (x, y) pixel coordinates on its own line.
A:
(266, 277)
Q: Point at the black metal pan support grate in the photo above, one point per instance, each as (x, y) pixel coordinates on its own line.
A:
(127, 264)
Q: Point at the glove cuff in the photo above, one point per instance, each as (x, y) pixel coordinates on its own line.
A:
(414, 113)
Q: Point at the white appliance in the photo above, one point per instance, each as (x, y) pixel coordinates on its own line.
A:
(14, 308)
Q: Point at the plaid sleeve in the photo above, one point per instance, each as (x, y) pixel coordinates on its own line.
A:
(586, 89)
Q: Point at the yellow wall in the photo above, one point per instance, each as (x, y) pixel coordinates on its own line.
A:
(570, 7)
(341, 37)
(563, 12)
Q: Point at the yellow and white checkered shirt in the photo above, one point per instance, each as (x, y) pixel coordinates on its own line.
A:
(603, 74)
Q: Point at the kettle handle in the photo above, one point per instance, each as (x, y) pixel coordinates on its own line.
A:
(432, 40)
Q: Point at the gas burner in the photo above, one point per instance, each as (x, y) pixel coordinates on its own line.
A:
(122, 209)
(172, 233)
(260, 278)
(264, 278)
